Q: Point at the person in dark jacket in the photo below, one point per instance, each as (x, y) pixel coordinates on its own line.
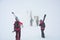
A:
(42, 24)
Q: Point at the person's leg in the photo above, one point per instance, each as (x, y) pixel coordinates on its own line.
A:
(37, 22)
(19, 35)
(16, 35)
(42, 33)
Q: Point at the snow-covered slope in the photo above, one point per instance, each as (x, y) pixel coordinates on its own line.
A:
(22, 9)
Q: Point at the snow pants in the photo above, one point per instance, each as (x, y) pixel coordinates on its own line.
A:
(18, 35)
(42, 33)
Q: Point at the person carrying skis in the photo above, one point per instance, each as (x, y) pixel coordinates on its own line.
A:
(37, 20)
(17, 28)
(42, 24)
(31, 19)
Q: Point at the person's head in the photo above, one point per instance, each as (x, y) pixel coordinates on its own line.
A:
(41, 21)
(16, 19)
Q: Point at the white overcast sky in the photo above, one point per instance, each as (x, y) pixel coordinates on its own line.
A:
(22, 9)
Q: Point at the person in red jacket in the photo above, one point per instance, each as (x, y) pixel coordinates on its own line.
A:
(42, 24)
(17, 28)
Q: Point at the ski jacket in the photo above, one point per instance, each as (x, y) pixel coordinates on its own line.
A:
(42, 24)
(17, 26)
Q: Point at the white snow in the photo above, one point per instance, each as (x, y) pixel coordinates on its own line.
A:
(22, 9)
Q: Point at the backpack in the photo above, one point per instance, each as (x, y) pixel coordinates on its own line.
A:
(17, 24)
(42, 25)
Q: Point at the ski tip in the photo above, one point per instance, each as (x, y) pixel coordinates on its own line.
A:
(45, 15)
(12, 12)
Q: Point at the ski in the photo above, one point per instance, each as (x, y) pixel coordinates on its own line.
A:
(44, 17)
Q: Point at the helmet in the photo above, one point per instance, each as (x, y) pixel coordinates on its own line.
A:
(16, 18)
(41, 21)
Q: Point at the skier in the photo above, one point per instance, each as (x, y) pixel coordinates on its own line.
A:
(37, 20)
(17, 28)
(31, 22)
(42, 24)
(31, 19)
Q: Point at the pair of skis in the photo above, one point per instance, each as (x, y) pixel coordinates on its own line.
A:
(14, 15)
(44, 17)
(42, 31)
